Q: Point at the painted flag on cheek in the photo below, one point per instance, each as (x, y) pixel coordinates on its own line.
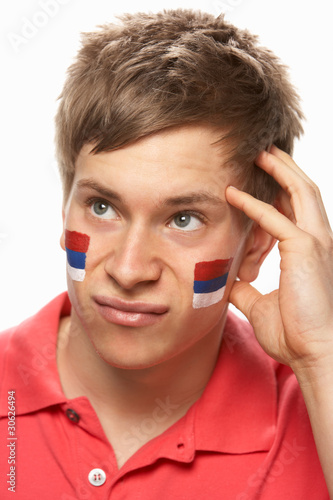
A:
(76, 248)
(210, 280)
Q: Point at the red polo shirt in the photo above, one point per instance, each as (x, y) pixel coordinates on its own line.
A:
(247, 437)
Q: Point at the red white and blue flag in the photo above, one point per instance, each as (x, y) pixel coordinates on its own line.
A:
(210, 280)
(76, 248)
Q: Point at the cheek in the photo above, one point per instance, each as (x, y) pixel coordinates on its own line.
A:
(210, 280)
(76, 245)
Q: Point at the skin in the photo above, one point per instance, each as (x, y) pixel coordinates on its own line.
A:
(300, 313)
(121, 264)
(137, 252)
(141, 254)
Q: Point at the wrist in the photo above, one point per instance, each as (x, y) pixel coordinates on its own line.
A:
(315, 376)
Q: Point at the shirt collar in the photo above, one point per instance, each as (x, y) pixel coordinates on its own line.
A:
(235, 414)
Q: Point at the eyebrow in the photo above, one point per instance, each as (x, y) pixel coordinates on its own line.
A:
(185, 199)
(91, 184)
(195, 197)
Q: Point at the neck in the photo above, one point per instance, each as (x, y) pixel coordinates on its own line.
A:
(123, 397)
(183, 375)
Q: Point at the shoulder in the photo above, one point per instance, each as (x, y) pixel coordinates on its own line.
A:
(239, 340)
(5, 340)
(257, 367)
(47, 317)
(241, 344)
(21, 343)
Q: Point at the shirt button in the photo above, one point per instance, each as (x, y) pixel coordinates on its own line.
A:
(72, 415)
(97, 477)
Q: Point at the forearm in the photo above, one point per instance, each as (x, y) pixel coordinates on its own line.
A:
(317, 388)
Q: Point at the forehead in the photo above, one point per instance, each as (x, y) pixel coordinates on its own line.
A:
(188, 157)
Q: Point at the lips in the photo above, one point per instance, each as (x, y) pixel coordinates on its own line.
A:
(129, 313)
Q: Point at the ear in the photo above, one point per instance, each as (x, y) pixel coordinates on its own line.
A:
(62, 237)
(257, 247)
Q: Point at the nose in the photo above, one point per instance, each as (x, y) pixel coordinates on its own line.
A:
(134, 258)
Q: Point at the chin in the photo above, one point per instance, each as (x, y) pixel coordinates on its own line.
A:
(126, 351)
(128, 362)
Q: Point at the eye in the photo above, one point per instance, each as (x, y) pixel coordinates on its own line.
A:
(103, 210)
(186, 221)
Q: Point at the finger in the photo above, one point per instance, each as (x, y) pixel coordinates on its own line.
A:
(244, 296)
(288, 160)
(282, 203)
(255, 307)
(305, 198)
(265, 215)
(282, 167)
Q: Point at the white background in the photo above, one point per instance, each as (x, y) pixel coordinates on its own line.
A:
(32, 265)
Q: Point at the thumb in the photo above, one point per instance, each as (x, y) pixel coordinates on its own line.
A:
(244, 296)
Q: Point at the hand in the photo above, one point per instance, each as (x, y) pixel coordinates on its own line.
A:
(293, 324)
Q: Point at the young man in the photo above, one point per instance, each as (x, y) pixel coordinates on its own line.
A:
(139, 383)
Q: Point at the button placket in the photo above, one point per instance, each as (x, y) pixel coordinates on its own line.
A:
(89, 458)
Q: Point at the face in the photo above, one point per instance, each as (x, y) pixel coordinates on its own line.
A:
(151, 211)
